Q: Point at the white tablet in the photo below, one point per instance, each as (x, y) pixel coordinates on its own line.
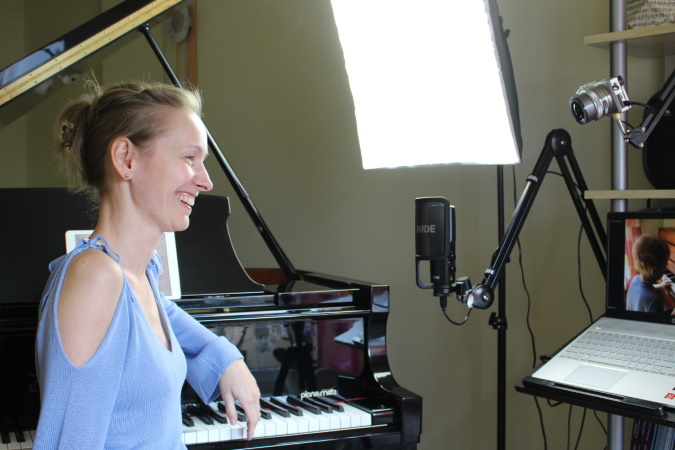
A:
(169, 281)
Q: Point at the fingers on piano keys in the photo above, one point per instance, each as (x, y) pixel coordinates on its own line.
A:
(14, 440)
(280, 416)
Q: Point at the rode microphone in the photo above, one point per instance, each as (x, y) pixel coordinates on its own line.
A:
(435, 242)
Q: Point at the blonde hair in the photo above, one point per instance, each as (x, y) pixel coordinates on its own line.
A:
(87, 127)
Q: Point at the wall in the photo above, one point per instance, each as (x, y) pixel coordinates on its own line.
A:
(278, 104)
(12, 162)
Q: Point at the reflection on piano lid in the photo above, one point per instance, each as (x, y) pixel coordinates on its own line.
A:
(65, 54)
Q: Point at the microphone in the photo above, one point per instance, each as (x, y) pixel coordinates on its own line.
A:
(435, 242)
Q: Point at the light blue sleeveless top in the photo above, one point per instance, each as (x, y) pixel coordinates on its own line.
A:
(127, 395)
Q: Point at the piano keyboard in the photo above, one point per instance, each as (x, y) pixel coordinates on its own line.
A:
(15, 440)
(280, 416)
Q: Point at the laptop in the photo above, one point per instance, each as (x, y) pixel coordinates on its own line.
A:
(627, 357)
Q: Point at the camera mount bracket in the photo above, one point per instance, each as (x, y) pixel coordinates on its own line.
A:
(657, 108)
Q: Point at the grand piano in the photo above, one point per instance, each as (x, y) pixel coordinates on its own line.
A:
(316, 344)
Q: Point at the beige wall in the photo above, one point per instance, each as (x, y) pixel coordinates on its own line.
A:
(278, 104)
(13, 157)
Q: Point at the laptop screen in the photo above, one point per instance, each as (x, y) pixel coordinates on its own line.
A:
(641, 265)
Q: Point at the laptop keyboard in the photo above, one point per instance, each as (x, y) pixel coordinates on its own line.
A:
(630, 352)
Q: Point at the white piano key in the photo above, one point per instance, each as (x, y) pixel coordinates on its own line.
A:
(321, 421)
(334, 421)
(14, 444)
(268, 427)
(285, 425)
(230, 431)
(259, 430)
(212, 431)
(201, 435)
(302, 422)
(345, 418)
(29, 435)
(362, 418)
(189, 435)
(277, 426)
(313, 420)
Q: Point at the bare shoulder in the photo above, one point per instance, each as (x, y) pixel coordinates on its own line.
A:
(87, 303)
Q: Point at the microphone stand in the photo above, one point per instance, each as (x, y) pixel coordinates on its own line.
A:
(558, 145)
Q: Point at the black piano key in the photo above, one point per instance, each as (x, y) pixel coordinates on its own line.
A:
(354, 404)
(335, 405)
(263, 414)
(19, 436)
(197, 412)
(324, 408)
(295, 401)
(241, 414)
(206, 409)
(185, 417)
(274, 408)
(4, 437)
(291, 409)
(241, 417)
(187, 421)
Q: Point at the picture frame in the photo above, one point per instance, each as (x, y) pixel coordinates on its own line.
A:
(169, 280)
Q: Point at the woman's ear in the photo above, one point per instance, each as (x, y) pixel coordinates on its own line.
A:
(122, 155)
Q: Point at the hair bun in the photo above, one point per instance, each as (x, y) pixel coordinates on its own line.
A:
(67, 136)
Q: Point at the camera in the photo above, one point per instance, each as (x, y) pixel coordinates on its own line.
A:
(598, 99)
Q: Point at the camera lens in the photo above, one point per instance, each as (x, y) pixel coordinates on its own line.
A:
(578, 110)
(592, 102)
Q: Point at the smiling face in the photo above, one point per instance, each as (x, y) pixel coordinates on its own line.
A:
(170, 173)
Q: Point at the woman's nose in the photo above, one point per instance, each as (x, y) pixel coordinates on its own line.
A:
(203, 180)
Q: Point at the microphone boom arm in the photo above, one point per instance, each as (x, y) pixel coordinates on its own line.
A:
(558, 145)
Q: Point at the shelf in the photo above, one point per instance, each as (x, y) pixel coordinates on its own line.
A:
(629, 194)
(645, 42)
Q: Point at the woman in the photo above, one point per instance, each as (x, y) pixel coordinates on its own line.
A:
(112, 352)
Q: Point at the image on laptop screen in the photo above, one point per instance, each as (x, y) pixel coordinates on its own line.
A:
(641, 265)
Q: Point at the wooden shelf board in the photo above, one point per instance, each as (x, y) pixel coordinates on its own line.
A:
(630, 194)
(646, 42)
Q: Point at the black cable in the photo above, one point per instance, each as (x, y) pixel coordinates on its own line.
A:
(581, 429)
(602, 425)
(581, 288)
(444, 305)
(569, 426)
(527, 317)
(524, 283)
(541, 422)
(532, 337)
(644, 105)
(533, 342)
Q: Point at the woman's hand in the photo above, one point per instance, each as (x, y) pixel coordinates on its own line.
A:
(237, 383)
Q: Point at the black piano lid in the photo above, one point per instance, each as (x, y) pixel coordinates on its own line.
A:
(33, 235)
(56, 57)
